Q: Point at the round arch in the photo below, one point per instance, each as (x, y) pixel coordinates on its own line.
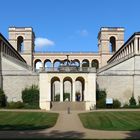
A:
(47, 63)
(55, 89)
(112, 41)
(67, 89)
(37, 64)
(20, 44)
(76, 62)
(85, 63)
(56, 63)
(95, 63)
(80, 87)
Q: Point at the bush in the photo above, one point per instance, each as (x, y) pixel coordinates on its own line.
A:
(101, 98)
(101, 103)
(132, 101)
(100, 94)
(15, 105)
(2, 98)
(66, 95)
(30, 96)
(57, 97)
(116, 103)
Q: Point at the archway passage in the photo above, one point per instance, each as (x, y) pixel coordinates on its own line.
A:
(112, 44)
(47, 63)
(80, 87)
(37, 64)
(56, 63)
(55, 89)
(95, 63)
(67, 89)
(85, 63)
(20, 44)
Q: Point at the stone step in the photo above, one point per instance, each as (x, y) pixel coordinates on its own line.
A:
(57, 106)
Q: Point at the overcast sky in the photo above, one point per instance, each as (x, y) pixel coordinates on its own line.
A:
(69, 25)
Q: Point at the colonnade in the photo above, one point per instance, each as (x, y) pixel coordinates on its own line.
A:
(8, 50)
(73, 88)
(131, 47)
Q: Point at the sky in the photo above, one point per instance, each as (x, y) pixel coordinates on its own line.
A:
(69, 25)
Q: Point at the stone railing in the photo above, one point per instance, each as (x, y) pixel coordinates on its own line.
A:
(8, 49)
(132, 46)
(67, 69)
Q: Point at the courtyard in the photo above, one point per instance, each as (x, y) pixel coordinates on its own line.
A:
(70, 126)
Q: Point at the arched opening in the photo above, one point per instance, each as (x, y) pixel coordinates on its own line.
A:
(85, 63)
(76, 62)
(79, 94)
(20, 44)
(112, 44)
(67, 89)
(55, 89)
(47, 63)
(95, 63)
(66, 62)
(37, 64)
(56, 63)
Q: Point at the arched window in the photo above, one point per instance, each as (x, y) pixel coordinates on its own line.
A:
(85, 63)
(112, 44)
(37, 64)
(95, 63)
(47, 63)
(20, 44)
(56, 63)
(55, 89)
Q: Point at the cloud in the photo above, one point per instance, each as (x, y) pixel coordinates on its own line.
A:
(83, 32)
(41, 42)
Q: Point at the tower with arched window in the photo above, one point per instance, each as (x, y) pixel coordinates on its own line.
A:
(22, 39)
(110, 39)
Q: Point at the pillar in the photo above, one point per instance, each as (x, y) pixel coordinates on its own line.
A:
(73, 90)
(61, 91)
(136, 45)
(85, 92)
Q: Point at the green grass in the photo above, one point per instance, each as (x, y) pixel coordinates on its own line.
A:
(26, 120)
(123, 121)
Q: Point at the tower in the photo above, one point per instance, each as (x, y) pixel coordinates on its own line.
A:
(110, 39)
(22, 39)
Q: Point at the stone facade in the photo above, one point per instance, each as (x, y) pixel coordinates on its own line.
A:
(117, 63)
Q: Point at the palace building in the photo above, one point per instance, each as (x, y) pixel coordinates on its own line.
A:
(71, 78)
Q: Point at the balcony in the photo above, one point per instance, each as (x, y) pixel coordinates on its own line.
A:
(68, 69)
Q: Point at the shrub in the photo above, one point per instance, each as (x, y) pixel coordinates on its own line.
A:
(66, 95)
(30, 96)
(100, 94)
(116, 103)
(2, 98)
(101, 98)
(57, 97)
(125, 105)
(101, 103)
(132, 101)
(15, 105)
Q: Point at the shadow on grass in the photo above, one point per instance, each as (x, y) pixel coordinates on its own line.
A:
(23, 127)
(54, 134)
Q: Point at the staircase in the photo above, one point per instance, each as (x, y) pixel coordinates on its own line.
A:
(58, 106)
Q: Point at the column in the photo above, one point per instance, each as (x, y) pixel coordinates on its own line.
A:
(85, 92)
(136, 45)
(61, 91)
(73, 90)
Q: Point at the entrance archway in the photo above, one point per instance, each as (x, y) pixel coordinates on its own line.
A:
(55, 89)
(80, 87)
(67, 89)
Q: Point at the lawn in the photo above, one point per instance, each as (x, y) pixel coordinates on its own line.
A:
(123, 121)
(27, 120)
